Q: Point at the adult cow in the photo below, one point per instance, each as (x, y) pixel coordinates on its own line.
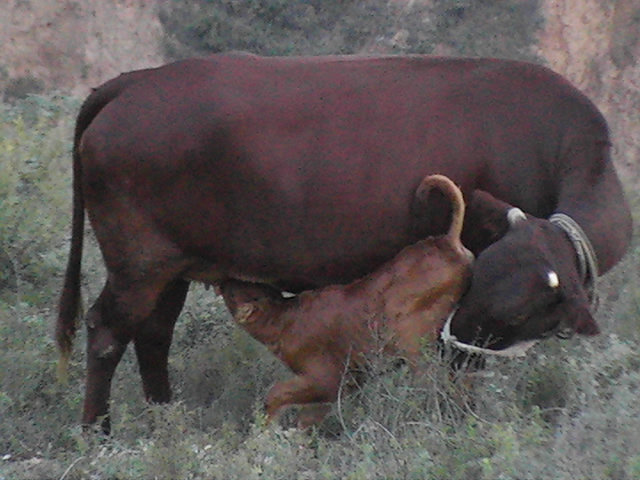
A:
(300, 172)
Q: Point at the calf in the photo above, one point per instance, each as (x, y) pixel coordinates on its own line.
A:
(322, 334)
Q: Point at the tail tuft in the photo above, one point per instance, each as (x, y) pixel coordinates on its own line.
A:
(62, 372)
(67, 325)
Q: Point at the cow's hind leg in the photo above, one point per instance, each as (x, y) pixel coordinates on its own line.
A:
(129, 308)
(152, 341)
(107, 339)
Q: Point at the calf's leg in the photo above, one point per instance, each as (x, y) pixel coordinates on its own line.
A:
(303, 390)
(312, 414)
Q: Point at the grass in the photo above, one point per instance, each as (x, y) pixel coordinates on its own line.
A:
(570, 410)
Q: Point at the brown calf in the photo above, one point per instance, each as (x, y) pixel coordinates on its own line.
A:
(322, 334)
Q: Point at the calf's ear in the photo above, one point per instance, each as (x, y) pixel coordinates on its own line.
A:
(243, 312)
(486, 221)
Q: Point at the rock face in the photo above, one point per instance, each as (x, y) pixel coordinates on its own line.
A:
(596, 45)
(73, 45)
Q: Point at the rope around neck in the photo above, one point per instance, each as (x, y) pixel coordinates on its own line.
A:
(587, 259)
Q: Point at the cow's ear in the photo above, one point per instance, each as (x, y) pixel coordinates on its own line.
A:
(486, 221)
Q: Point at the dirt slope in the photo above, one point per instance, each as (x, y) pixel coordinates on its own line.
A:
(73, 45)
(596, 45)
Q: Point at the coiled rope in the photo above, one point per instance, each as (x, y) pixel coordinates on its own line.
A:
(587, 259)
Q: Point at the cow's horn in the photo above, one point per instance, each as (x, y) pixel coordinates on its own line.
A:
(515, 215)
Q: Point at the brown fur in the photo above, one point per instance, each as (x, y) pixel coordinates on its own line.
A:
(321, 334)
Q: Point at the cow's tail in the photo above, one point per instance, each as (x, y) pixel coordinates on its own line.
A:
(453, 193)
(70, 306)
(69, 309)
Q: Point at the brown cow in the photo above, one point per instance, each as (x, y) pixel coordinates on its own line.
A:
(325, 333)
(300, 172)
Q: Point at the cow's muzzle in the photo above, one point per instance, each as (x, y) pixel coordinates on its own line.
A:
(517, 350)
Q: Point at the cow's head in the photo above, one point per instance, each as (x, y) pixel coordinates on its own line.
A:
(525, 285)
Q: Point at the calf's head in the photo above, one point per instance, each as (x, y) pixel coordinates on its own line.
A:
(525, 285)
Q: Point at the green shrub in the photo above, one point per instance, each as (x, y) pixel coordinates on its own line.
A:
(35, 188)
(314, 27)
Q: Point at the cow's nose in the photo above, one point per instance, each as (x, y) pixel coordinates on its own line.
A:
(546, 334)
(565, 333)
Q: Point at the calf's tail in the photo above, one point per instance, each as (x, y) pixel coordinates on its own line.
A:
(453, 193)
